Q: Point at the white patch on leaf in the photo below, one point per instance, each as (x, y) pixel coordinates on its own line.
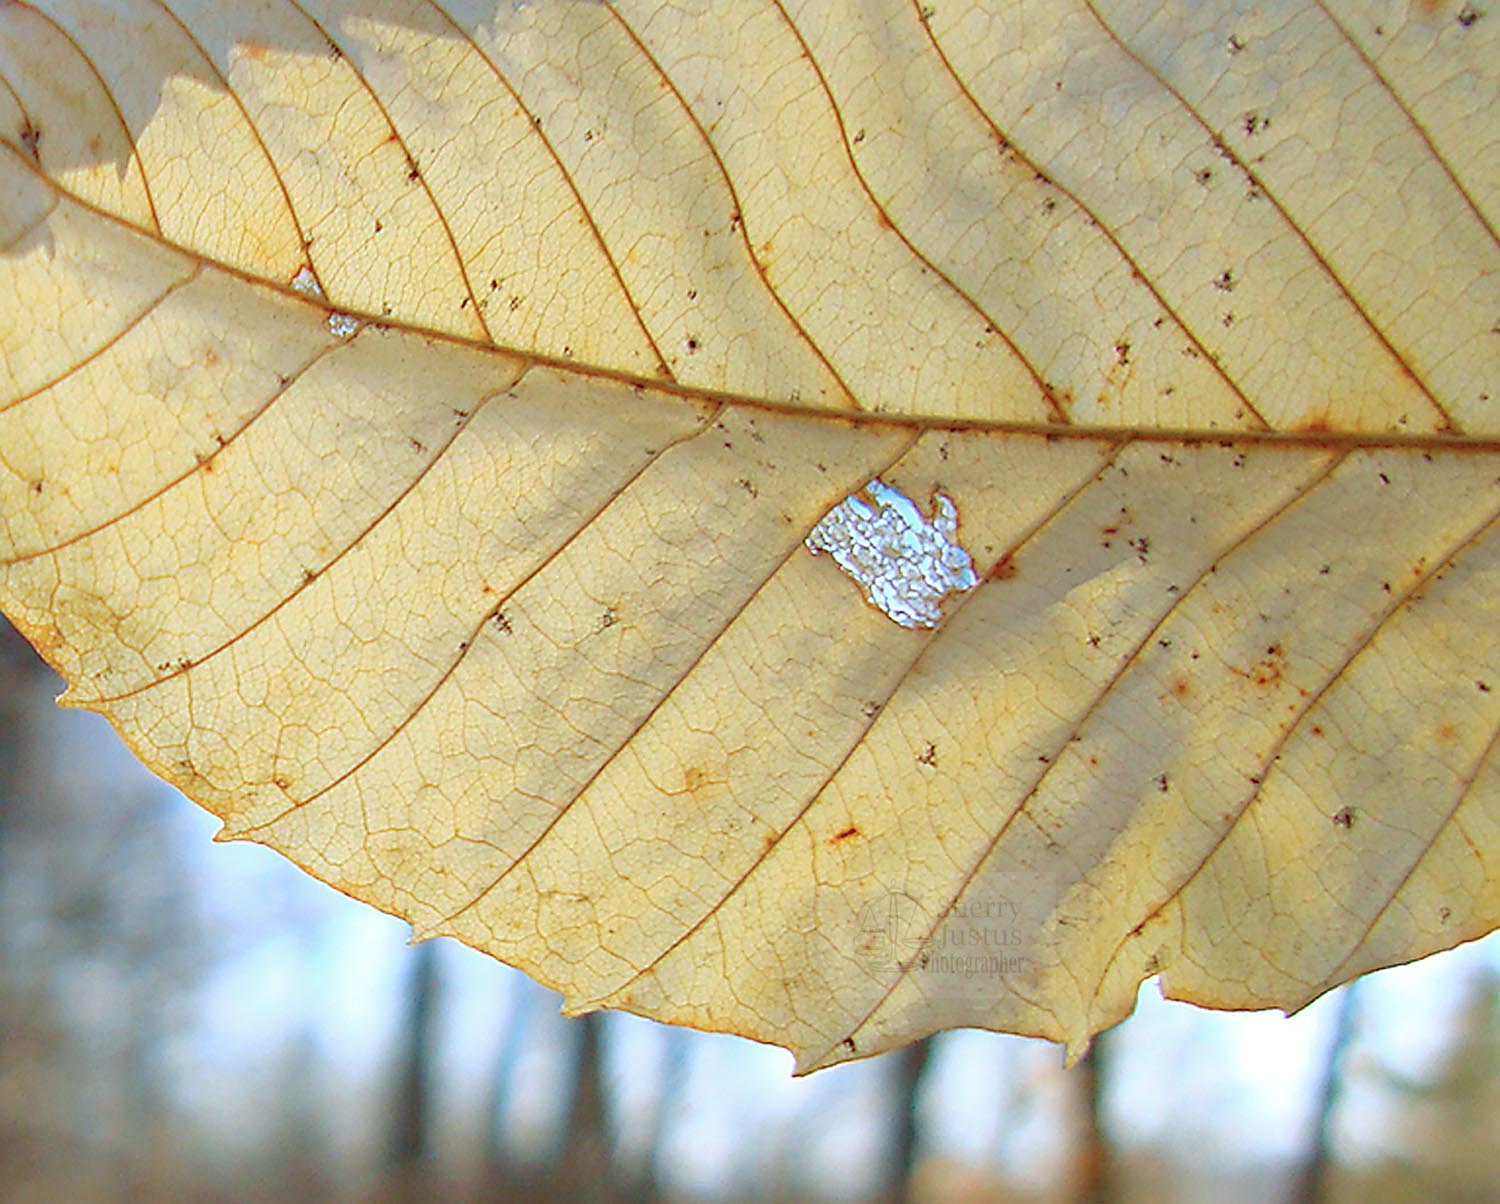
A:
(307, 284)
(906, 564)
(341, 326)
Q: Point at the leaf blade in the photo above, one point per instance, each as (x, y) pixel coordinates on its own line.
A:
(500, 617)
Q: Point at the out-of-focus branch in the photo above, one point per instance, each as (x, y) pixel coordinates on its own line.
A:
(1096, 1164)
(585, 1171)
(411, 1122)
(1311, 1184)
(910, 1064)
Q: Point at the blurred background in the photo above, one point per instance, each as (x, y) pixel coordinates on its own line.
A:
(181, 1020)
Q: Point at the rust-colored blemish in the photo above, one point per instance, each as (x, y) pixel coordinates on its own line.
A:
(1004, 569)
(847, 834)
(1267, 671)
(694, 779)
(1179, 687)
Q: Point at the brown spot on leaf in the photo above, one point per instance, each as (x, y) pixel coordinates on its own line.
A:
(1005, 568)
(847, 834)
(31, 139)
(1267, 671)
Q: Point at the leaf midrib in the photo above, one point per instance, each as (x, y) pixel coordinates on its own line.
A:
(1097, 432)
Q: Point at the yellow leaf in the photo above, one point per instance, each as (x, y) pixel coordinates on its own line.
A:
(820, 520)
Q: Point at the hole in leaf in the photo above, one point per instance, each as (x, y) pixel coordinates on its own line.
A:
(341, 326)
(905, 563)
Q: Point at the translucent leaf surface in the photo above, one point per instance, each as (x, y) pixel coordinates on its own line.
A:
(414, 416)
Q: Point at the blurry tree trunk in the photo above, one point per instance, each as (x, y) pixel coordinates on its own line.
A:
(17, 667)
(1096, 1169)
(302, 1169)
(499, 1176)
(584, 1170)
(20, 669)
(140, 1115)
(910, 1062)
(160, 951)
(1311, 1185)
(648, 1187)
(411, 1122)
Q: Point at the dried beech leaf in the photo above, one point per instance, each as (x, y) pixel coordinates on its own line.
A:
(821, 520)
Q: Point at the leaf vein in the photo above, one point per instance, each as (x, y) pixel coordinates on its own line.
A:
(705, 424)
(1357, 648)
(1022, 807)
(114, 105)
(889, 219)
(874, 717)
(744, 233)
(1421, 131)
(1137, 272)
(567, 177)
(188, 474)
(195, 270)
(255, 135)
(666, 694)
(1338, 282)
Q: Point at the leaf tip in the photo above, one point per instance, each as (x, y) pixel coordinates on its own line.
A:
(1074, 1051)
(575, 1008)
(422, 932)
